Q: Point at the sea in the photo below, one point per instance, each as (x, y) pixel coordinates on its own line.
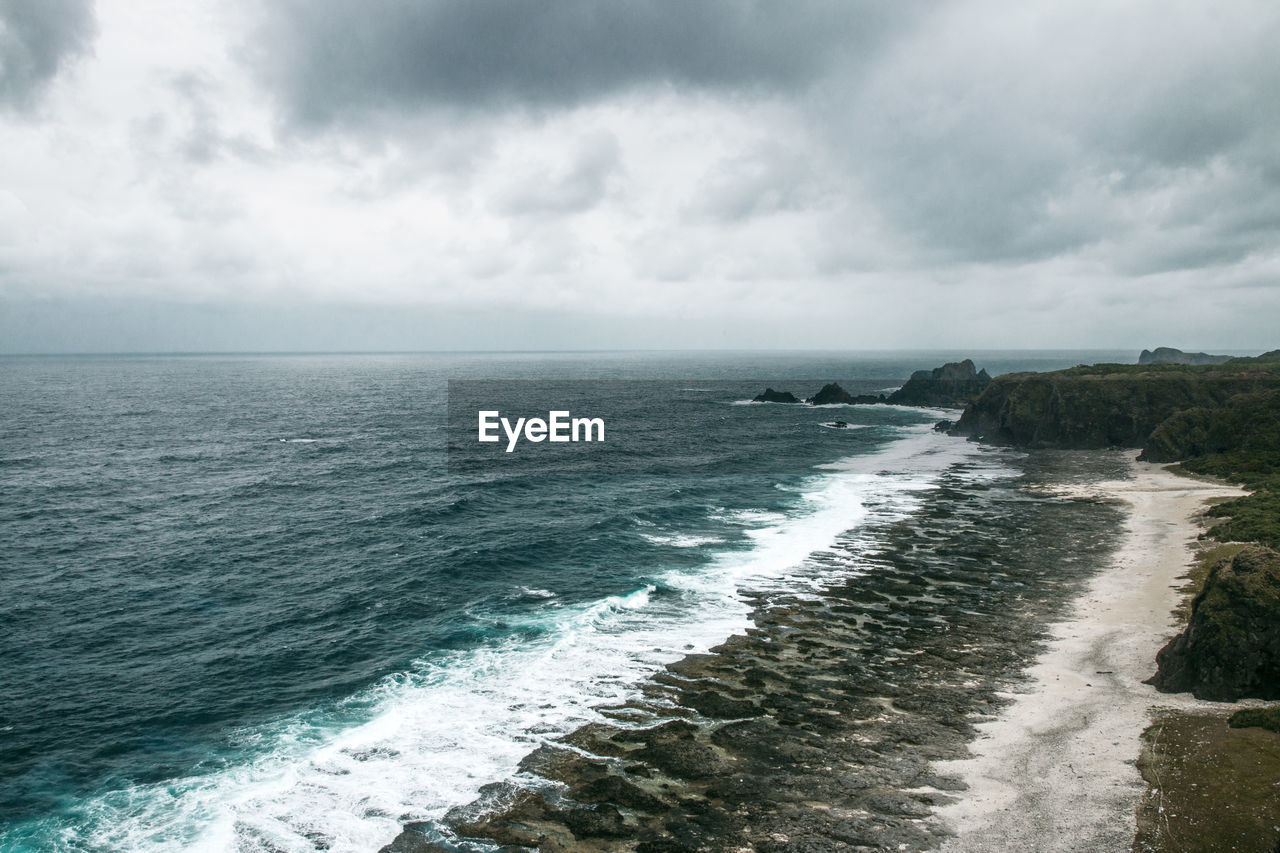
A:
(264, 603)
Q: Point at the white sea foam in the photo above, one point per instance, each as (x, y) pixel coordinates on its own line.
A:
(681, 540)
(430, 738)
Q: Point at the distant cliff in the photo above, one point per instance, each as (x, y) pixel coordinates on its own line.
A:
(953, 385)
(1169, 355)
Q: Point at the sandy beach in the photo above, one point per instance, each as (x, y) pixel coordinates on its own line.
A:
(1055, 771)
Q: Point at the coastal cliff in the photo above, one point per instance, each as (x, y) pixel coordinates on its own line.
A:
(1222, 420)
(1230, 648)
(1106, 405)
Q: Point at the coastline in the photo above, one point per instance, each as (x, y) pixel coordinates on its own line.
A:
(820, 727)
(1056, 769)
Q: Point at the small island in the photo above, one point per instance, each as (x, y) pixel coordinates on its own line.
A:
(771, 396)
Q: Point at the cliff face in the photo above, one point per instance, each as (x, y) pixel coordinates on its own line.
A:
(1231, 646)
(1103, 405)
(953, 385)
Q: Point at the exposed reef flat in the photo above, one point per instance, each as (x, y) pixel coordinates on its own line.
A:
(819, 727)
(1055, 771)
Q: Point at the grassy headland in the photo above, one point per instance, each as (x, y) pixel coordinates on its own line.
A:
(1212, 785)
(1221, 420)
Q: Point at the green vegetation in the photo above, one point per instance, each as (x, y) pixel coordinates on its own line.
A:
(1261, 718)
(1195, 578)
(1253, 518)
(1239, 442)
(1124, 405)
(1212, 788)
(1219, 420)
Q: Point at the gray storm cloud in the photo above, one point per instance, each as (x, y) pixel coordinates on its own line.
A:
(37, 37)
(694, 173)
(979, 133)
(332, 58)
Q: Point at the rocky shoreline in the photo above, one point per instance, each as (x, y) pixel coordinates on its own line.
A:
(818, 728)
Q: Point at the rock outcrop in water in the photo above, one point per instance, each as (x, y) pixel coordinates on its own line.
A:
(832, 393)
(951, 386)
(771, 396)
(1231, 646)
(1169, 355)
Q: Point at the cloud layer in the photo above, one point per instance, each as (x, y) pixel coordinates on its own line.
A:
(37, 38)
(335, 58)
(1062, 174)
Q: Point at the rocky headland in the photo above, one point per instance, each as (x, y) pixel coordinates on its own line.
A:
(1107, 405)
(954, 385)
(951, 386)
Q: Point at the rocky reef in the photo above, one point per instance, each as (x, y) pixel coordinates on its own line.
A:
(1169, 355)
(771, 396)
(1231, 646)
(953, 385)
(815, 729)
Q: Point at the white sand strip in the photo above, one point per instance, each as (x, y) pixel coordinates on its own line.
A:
(1055, 772)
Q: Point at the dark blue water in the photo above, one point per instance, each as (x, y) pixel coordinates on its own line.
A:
(245, 604)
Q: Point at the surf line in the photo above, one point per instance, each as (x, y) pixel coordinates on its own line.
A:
(559, 426)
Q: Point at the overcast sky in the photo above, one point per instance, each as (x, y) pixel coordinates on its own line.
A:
(418, 174)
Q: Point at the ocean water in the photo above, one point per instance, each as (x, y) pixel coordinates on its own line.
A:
(247, 603)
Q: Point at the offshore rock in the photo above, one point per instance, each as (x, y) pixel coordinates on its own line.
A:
(771, 396)
(1169, 355)
(953, 385)
(831, 393)
(1231, 646)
